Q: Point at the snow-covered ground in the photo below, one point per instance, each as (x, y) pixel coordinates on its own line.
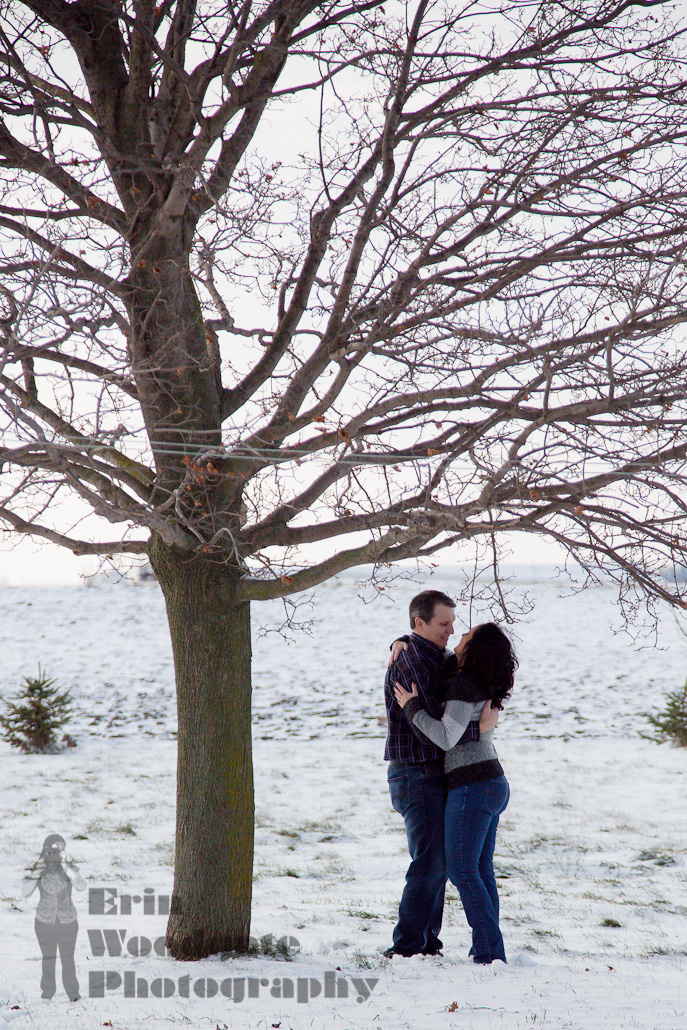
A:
(591, 854)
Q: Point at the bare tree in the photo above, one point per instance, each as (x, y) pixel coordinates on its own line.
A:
(443, 306)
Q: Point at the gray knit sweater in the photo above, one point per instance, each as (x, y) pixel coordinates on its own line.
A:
(463, 763)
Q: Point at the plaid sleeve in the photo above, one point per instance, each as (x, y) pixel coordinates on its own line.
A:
(406, 672)
(471, 733)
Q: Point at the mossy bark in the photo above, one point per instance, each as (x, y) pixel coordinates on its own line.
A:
(215, 806)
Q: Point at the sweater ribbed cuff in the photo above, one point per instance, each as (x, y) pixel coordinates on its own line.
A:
(411, 707)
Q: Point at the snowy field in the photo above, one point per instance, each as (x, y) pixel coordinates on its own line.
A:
(591, 855)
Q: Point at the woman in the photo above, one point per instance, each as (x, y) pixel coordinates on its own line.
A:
(478, 791)
(56, 921)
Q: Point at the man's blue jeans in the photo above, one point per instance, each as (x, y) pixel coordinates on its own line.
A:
(419, 795)
(472, 815)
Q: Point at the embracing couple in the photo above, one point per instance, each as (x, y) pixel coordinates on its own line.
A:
(444, 775)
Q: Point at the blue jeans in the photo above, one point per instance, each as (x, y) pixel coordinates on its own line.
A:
(472, 815)
(419, 795)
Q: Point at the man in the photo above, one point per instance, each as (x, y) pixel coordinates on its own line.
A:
(415, 774)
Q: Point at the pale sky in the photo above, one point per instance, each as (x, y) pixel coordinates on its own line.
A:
(26, 563)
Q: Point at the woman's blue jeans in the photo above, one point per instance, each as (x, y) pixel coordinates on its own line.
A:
(419, 795)
(470, 822)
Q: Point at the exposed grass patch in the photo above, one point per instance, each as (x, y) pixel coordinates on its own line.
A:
(332, 868)
(326, 826)
(659, 857)
(359, 913)
(285, 947)
(364, 961)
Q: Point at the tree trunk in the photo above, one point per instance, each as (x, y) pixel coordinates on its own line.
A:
(215, 807)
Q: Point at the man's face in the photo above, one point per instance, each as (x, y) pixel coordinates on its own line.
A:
(440, 626)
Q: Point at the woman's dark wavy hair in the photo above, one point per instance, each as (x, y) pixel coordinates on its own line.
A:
(489, 659)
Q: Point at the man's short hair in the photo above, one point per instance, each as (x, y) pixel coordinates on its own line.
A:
(422, 606)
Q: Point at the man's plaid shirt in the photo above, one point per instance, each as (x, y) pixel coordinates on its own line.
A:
(420, 664)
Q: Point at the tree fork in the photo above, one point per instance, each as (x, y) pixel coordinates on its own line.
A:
(177, 378)
(211, 643)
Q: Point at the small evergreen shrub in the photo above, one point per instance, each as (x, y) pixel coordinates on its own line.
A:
(35, 715)
(671, 723)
